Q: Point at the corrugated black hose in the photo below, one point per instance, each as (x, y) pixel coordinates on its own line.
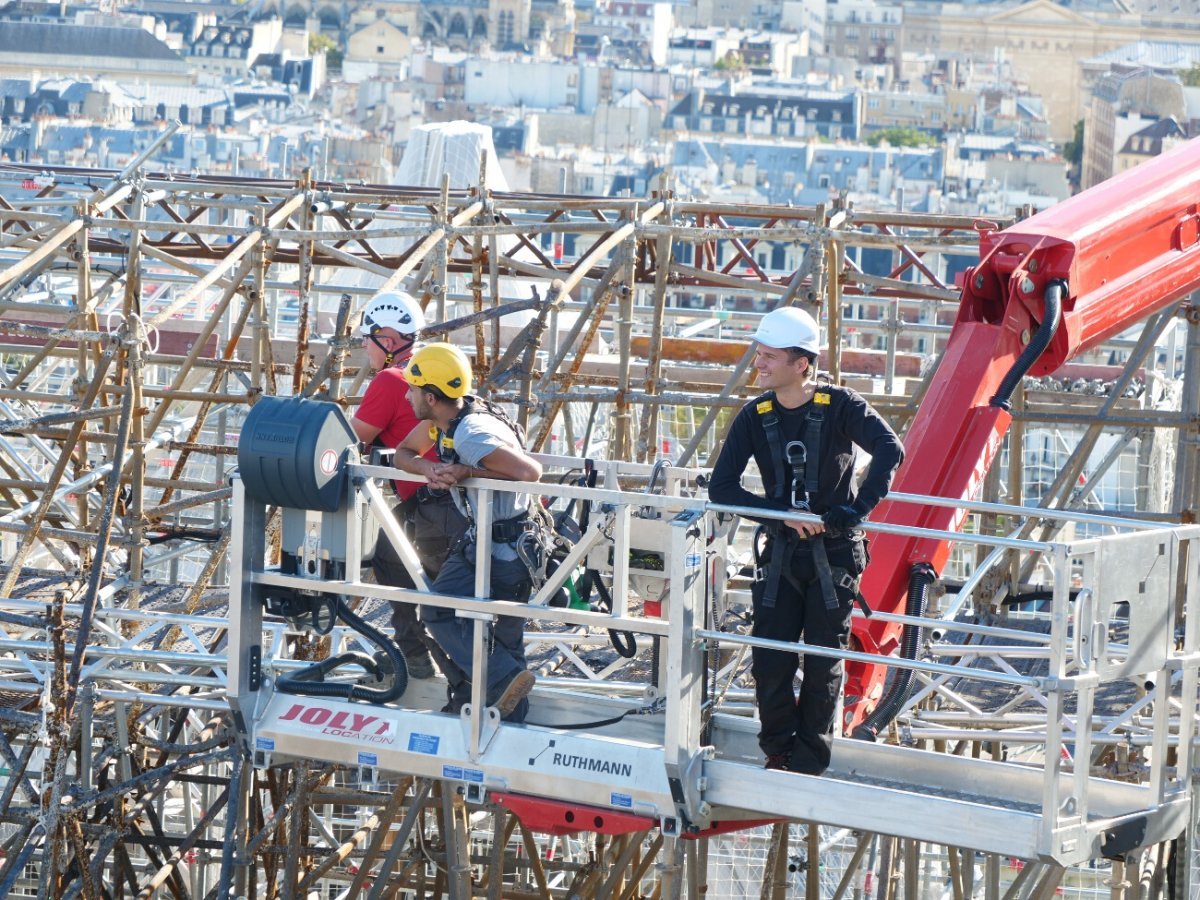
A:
(310, 681)
(919, 579)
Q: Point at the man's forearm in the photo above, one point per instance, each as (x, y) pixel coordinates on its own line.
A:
(407, 461)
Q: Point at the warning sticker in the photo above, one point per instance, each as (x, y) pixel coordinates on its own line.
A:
(329, 462)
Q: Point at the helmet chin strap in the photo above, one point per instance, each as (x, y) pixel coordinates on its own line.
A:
(389, 356)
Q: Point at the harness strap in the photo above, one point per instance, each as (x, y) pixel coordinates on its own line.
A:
(773, 428)
(783, 544)
(444, 443)
(813, 431)
(824, 571)
(508, 531)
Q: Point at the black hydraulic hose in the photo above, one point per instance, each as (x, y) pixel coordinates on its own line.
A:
(299, 683)
(1052, 298)
(919, 579)
(623, 642)
(317, 671)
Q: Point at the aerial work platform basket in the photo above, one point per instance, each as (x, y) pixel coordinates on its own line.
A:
(1108, 660)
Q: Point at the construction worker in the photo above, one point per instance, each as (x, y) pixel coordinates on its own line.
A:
(391, 325)
(474, 439)
(802, 436)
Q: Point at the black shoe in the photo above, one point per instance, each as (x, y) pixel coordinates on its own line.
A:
(810, 755)
(779, 761)
(786, 762)
(457, 697)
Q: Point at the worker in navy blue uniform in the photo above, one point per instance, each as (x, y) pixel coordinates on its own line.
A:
(802, 435)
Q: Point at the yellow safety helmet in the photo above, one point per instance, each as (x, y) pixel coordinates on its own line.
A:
(442, 366)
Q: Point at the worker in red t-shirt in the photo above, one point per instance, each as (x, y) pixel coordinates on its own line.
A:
(391, 324)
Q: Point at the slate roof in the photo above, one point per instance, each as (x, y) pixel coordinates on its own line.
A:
(63, 138)
(62, 41)
(1156, 54)
(727, 105)
(15, 87)
(1156, 132)
(14, 140)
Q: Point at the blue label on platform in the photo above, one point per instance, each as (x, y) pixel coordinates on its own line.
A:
(367, 759)
(454, 772)
(692, 560)
(264, 743)
(423, 743)
(624, 801)
(473, 775)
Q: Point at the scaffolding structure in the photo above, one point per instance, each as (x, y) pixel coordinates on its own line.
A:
(142, 314)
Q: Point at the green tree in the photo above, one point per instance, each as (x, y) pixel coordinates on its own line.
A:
(1191, 77)
(901, 137)
(318, 41)
(730, 62)
(1073, 149)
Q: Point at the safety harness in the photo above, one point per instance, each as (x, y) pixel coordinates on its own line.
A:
(802, 460)
(505, 531)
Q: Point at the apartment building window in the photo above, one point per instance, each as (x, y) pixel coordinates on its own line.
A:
(379, 48)
(572, 79)
(872, 103)
(890, 35)
(852, 34)
(874, 34)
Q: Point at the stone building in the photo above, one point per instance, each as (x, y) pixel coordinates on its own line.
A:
(1045, 42)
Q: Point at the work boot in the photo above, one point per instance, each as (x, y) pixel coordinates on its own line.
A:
(420, 665)
(810, 754)
(779, 761)
(515, 690)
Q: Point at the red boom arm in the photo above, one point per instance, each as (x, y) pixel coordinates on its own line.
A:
(1124, 249)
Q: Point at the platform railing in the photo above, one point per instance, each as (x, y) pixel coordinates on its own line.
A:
(1059, 713)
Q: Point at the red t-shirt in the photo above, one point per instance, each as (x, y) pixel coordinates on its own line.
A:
(385, 406)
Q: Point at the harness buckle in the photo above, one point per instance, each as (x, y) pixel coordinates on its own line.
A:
(796, 455)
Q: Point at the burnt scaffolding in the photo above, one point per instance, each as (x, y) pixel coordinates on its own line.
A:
(143, 313)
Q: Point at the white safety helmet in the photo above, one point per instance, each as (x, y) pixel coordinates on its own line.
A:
(393, 309)
(789, 327)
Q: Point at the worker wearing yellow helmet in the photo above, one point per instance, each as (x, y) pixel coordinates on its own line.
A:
(474, 439)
